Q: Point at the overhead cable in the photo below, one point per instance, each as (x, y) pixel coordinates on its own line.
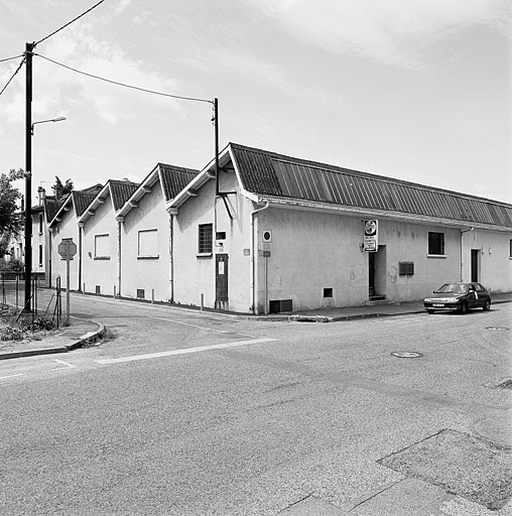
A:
(10, 58)
(124, 85)
(13, 75)
(69, 23)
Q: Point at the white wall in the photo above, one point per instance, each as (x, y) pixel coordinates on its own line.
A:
(148, 273)
(100, 271)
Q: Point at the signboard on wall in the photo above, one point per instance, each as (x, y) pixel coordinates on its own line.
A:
(371, 235)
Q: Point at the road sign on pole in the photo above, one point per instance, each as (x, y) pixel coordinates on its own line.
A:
(67, 249)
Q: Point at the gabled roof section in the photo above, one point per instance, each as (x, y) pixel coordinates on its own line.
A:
(284, 179)
(118, 190)
(172, 180)
(52, 206)
(78, 200)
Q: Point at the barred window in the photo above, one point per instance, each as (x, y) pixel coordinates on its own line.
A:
(205, 240)
(435, 243)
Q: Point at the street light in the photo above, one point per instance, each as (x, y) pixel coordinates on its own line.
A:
(59, 119)
(28, 186)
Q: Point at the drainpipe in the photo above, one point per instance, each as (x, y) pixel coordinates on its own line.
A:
(171, 254)
(80, 236)
(120, 221)
(253, 262)
(461, 233)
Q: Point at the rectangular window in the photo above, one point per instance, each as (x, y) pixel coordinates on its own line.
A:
(205, 241)
(141, 293)
(40, 223)
(101, 247)
(405, 268)
(40, 255)
(327, 292)
(511, 248)
(436, 243)
(147, 243)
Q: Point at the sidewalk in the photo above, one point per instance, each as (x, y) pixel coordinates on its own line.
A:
(82, 331)
(77, 334)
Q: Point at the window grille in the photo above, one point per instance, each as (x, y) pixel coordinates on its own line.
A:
(205, 243)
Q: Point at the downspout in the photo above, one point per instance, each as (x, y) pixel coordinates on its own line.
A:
(461, 233)
(171, 256)
(49, 250)
(80, 233)
(253, 261)
(120, 221)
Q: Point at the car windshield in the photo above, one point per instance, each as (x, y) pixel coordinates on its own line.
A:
(453, 288)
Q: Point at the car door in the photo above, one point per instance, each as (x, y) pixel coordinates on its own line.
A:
(473, 300)
(481, 294)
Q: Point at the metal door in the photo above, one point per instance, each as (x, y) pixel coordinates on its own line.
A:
(221, 280)
(474, 264)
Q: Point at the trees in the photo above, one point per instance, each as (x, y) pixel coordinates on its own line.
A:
(10, 217)
(60, 189)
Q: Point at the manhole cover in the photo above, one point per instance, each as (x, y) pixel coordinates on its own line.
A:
(406, 354)
(497, 328)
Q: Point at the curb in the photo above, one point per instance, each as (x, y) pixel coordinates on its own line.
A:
(88, 338)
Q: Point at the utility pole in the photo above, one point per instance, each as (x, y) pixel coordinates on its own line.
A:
(28, 174)
(216, 122)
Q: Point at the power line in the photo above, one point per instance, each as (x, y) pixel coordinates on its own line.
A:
(117, 83)
(13, 75)
(69, 23)
(10, 58)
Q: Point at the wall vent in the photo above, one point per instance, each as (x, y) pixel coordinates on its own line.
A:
(141, 294)
(280, 305)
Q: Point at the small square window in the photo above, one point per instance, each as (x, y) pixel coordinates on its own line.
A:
(205, 239)
(141, 294)
(327, 292)
(436, 243)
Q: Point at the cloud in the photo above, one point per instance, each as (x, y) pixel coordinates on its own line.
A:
(391, 31)
(56, 89)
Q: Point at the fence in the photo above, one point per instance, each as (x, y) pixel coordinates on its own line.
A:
(43, 302)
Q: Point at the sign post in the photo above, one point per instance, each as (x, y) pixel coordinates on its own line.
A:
(67, 249)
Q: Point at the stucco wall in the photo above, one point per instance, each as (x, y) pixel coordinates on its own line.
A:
(148, 273)
(312, 251)
(101, 271)
(495, 264)
(194, 275)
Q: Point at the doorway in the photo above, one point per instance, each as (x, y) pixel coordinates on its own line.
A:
(221, 281)
(475, 264)
(377, 273)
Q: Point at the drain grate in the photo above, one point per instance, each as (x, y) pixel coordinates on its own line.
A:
(497, 328)
(506, 384)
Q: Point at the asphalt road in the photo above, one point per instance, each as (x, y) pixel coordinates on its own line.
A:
(187, 413)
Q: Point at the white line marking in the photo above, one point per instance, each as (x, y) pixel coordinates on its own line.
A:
(10, 376)
(68, 366)
(182, 351)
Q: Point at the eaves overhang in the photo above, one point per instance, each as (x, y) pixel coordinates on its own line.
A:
(143, 189)
(207, 173)
(95, 204)
(63, 209)
(354, 211)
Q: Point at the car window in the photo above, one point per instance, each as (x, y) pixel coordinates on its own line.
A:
(479, 287)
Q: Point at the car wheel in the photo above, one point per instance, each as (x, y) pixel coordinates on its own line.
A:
(487, 305)
(464, 308)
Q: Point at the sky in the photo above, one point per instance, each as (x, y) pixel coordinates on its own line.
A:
(418, 90)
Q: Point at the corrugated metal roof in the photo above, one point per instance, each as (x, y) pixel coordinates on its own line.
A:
(121, 191)
(175, 179)
(267, 173)
(81, 201)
